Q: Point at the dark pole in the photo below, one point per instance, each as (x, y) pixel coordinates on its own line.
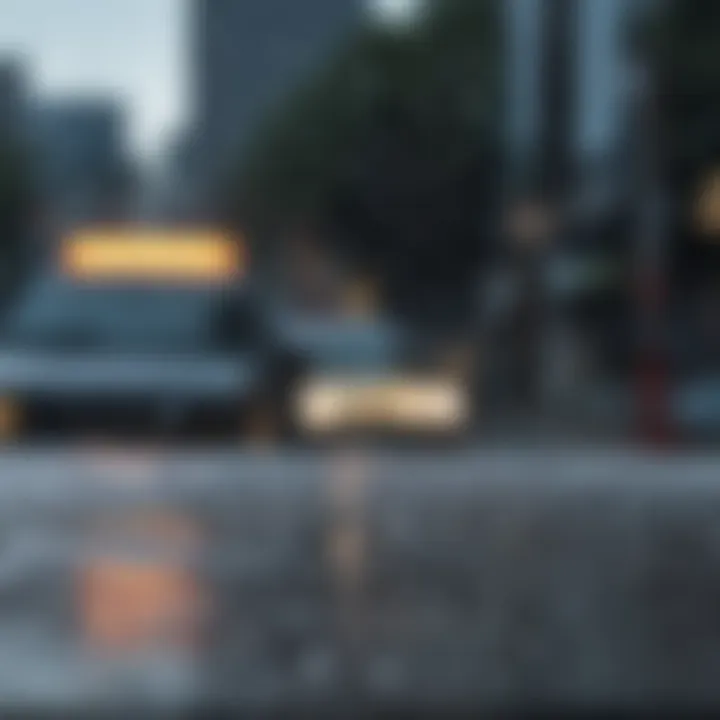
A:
(559, 67)
(551, 183)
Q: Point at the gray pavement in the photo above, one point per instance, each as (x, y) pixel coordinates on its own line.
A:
(497, 578)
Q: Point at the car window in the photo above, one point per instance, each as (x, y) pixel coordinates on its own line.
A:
(56, 313)
(337, 347)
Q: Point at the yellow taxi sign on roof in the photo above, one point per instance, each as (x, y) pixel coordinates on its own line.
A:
(153, 256)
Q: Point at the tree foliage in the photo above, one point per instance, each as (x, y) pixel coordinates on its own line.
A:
(684, 43)
(684, 46)
(393, 150)
(16, 202)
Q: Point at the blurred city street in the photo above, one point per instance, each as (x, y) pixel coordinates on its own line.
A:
(359, 354)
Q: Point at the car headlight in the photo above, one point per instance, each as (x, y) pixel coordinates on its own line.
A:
(319, 407)
(323, 406)
(438, 404)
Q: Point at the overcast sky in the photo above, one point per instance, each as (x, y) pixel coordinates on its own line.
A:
(134, 48)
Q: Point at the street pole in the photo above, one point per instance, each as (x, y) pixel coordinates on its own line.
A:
(559, 66)
(558, 30)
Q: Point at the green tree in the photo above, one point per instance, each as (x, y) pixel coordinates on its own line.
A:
(393, 151)
(16, 205)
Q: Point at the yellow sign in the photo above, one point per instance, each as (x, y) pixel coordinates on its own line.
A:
(152, 255)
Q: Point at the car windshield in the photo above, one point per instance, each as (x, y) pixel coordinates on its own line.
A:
(55, 313)
(337, 347)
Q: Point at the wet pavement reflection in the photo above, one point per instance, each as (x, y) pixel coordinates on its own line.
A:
(259, 581)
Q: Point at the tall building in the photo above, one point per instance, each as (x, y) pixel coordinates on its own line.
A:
(83, 160)
(247, 57)
(177, 196)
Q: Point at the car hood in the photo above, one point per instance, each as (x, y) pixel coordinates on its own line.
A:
(146, 375)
